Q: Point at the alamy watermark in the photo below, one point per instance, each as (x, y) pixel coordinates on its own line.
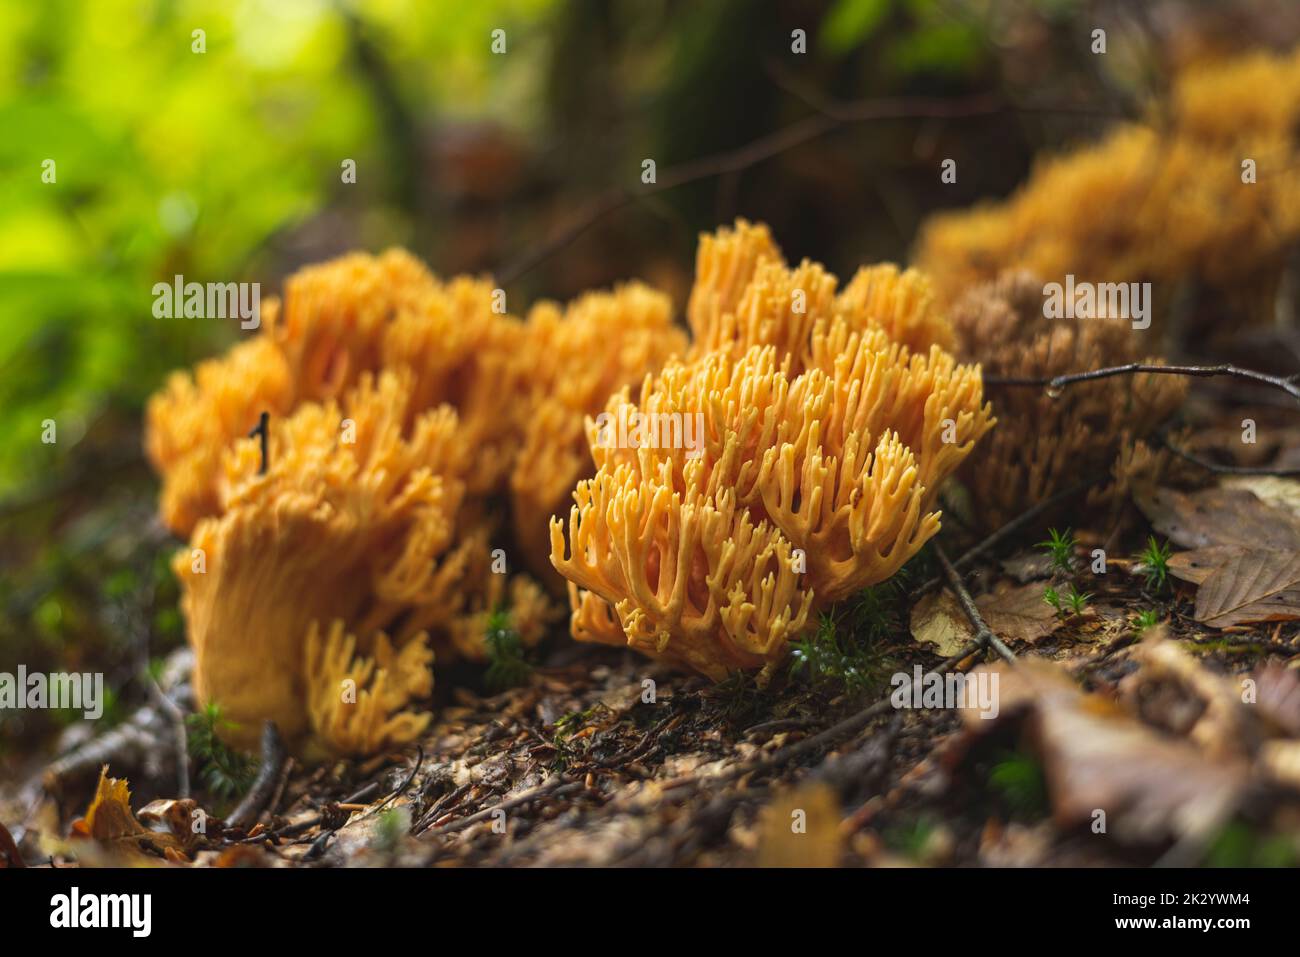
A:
(930, 690)
(74, 909)
(213, 300)
(631, 429)
(1105, 300)
(61, 690)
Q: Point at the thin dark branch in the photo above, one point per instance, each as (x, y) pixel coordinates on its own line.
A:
(274, 756)
(177, 718)
(1015, 525)
(401, 788)
(1224, 469)
(982, 632)
(1287, 384)
(556, 787)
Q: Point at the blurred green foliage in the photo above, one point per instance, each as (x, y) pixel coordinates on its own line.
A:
(168, 161)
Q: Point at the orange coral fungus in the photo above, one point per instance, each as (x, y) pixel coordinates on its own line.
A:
(745, 295)
(1044, 443)
(332, 324)
(790, 464)
(600, 343)
(340, 320)
(353, 521)
(192, 421)
(401, 406)
(1202, 193)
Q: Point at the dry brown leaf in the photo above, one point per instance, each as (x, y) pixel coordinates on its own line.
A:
(111, 824)
(1013, 613)
(1199, 564)
(1273, 490)
(1223, 728)
(1096, 758)
(9, 856)
(1280, 760)
(1018, 613)
(1258, 585)
(937, 619)
(1221, 515)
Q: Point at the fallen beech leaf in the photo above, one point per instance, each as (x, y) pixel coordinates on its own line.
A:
(171, 816)
(937, 619)
(1013, 613)
(1098, 758)
(1272, 490)
(109, 817)
(1018, 613)
(1200, 563)
(1220, 516)
(110, 822)
(1257, 585)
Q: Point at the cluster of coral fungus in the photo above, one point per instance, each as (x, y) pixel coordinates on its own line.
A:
(1205, 192)
(1046, 442)
(825, 422)
(787, 454)
(327, 569)
(320, 582)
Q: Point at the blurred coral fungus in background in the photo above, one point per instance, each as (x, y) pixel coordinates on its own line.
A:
(755, 432)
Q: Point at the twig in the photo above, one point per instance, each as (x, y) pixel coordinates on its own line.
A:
(264, 786)
(1286, 384)
(118, 744)
(1223, 469)
(177, 718)
(647, 743)
(853, 723)
(556, 787)
(364, 794)
(1013, 526)
(435, 809)
(281, 783)
(777, 726)
(982, 632)
(419, 760)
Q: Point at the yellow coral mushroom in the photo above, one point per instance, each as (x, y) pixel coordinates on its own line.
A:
(193, 420)
(791, 462)
(339, 321)
(600, 343)
(745, 295)
(463, 349)
(334, 317)
(1044, 443)
(359, 531)
(1203, 192)
(694, 580)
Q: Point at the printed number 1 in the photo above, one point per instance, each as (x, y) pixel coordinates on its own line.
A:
(262, 431)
